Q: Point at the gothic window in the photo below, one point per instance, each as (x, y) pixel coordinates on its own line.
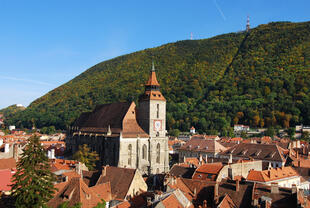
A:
(158, 153)
(157, 111)
(129, 154)
(144, 152)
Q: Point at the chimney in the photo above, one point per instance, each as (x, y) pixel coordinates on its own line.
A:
(299, 163)
(230, 159)
(216, 193)
(53, 153)
(294, 188)
(104, 171)
(7, 148)
(237, 185)
(184, 159)
(269, 167)
(206, 158)
(195, 192)
(274, 188)
(298, 144)
(200, 158)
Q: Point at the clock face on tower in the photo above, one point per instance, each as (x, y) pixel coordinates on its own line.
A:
(157, 125)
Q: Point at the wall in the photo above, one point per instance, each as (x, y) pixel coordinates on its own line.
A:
(137, 185)
(239, 169)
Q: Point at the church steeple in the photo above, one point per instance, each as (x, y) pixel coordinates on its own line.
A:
(152, 83)
(152, 87)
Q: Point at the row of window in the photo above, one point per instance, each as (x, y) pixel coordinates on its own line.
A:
(144, 153)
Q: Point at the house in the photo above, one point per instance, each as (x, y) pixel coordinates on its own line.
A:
(201, 145)
(192, 130)
(241, 128)
(125, 182)
(181, 171)
(283, 176)
(7, 170)
(270, 154)
(208, 172)
(174, 198)
(75, 191)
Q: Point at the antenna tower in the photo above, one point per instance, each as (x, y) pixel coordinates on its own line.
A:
(248, 24)
(191, 36)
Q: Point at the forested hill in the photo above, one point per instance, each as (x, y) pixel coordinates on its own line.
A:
(260, 78)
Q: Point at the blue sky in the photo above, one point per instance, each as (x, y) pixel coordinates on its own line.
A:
(44, 44)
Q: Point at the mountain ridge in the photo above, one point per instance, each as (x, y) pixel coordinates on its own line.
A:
(208, 83)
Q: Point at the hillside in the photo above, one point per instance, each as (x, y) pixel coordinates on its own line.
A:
(260, 78)
(11, 110)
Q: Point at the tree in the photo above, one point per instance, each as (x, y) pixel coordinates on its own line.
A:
(84, 155)
(66, 205)
(291, 132)
(270, 132)
(33, 180)
(305, 135)
(174, 132)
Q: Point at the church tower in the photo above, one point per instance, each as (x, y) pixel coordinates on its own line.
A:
(152, 108)
(152, 119)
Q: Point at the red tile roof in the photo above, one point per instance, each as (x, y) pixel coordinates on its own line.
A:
(208, 171)
(201, 144)
(213, 168)
(120, 179)
(172, 201)
(272, 174)
(75, 191)
(8, 163)
(227, 202)
(5, 179)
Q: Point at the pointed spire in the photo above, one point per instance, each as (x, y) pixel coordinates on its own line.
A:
(152, 78)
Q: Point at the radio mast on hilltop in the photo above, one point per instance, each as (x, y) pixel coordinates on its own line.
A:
(248, 24)
(191, 36)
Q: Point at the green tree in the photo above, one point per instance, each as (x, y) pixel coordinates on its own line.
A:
(305, 136)
(100, 204)
(84, 155)
(291, 132)
(33, 180)
(174, 132)
(66, 205)
(270, 132)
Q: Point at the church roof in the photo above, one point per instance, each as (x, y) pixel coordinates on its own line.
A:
(104, 115)
(114, 117)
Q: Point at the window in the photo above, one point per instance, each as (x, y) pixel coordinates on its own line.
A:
(129, 154)
(157, 110)
(144, 152)
(158, 153)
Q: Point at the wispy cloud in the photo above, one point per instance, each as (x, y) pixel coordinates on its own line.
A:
(25, 80)
(220, 10)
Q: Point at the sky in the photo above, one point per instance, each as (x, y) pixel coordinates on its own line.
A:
(44, 44)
